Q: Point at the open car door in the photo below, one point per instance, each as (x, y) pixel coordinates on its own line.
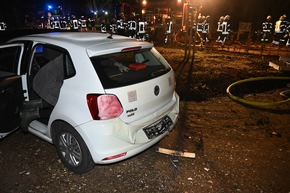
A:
(11, 92)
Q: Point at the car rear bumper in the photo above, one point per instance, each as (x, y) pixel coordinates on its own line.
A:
(114, 137)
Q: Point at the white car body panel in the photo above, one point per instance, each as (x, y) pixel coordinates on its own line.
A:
(144, 97)
(106, 138)
(115, 137)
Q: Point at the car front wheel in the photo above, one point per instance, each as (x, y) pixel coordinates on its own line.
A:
(71, 148)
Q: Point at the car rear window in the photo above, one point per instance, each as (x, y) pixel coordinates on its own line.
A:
(126, 68)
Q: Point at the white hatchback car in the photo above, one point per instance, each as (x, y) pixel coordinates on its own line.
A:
(99, 99)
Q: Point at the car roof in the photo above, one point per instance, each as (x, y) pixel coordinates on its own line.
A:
(95, 43)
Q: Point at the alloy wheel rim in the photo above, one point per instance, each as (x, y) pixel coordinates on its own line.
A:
(70, 149)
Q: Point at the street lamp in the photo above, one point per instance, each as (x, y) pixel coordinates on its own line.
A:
(144, 2)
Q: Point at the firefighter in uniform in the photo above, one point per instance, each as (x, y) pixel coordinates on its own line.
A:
(141, 30)
(284, 27)
(220, 28)
(169, 24)
(132, 26)
(225, 29)
(199, 25)
(205, 29)
(287, 32)
(103, 26)
(267, 29)
(121, 24)
(288, 35)
(121, 27)
(113, 26)
(280, 30)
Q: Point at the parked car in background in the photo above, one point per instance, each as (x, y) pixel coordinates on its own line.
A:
(99, 99)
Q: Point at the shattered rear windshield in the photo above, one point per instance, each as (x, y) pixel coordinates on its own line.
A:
(122, 69)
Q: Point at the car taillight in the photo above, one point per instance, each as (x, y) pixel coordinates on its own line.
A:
(104, 107)
(115, 156)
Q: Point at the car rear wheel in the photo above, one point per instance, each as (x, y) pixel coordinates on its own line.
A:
(71, 148)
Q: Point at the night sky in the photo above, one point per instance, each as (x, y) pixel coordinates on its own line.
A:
(254, 11)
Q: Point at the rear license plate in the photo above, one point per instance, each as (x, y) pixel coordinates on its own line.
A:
(158, 127)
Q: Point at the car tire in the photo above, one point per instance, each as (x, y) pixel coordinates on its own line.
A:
(71, 148)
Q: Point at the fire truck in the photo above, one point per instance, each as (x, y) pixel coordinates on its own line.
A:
(164, 18)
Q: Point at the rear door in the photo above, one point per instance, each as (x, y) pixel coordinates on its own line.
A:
(11, 92)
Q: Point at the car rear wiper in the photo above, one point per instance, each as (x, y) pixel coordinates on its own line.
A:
(159, 72)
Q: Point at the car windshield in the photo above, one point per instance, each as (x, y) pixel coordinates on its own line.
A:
(126, 68)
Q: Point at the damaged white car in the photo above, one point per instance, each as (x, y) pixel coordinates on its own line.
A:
(98, 99)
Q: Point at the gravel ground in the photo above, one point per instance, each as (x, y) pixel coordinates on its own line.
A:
(238, 148)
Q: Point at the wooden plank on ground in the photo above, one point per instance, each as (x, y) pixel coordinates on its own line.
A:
(175, 152)
(280, 65)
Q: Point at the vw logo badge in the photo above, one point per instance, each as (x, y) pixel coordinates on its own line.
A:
(156, 90)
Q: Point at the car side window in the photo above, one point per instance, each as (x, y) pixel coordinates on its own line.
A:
(69, 68)
(49, 67)
(45, 53)
(9, 58)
